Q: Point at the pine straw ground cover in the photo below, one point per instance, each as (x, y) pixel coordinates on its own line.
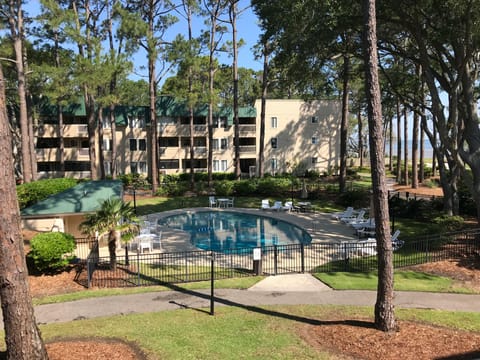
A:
(344, 339)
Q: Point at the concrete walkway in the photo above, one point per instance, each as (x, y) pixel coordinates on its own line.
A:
(294, 289)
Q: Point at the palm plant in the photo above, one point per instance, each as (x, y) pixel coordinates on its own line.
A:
(114, 216)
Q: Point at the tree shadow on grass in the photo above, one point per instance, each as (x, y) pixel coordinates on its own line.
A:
(263, 311)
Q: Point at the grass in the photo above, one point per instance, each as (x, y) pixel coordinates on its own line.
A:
(235, 333)
(403, 281)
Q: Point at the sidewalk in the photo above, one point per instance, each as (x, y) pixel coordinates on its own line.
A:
(295, 289)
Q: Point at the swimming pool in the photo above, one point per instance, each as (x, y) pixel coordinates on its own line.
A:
(223, 230)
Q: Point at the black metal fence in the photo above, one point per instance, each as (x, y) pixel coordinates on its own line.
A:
(178, 267)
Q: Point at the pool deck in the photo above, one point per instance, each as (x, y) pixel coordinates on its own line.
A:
(320, 226)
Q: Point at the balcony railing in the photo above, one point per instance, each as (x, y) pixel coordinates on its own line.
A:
(248, 149)
(247, 129)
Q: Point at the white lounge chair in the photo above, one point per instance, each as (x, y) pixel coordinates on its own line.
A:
(230, 202)
(353, 219)
(265, 204)
(288, 206)
(372, 250)
(277, 206)
(347, 213)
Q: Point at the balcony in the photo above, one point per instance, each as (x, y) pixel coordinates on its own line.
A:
(248, 149)
(247, 130)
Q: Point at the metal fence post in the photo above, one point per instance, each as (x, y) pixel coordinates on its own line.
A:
(275, 259)
(302, 250)
(138, 268)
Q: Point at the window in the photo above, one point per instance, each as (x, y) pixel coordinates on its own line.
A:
(107, 165)
(168, 164)
(220, 144)
(139, 167)
(168, 142)
(106, 124)
(107, 144)
(315, 140)
(273, 164)
(138, 144)
(314, 161)
(136, 122)
(274, 142)
(220, 165)
(220, 122)
(133, 145)
(274, 122)
(314, 119)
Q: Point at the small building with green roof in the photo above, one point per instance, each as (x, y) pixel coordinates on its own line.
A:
(66, 210)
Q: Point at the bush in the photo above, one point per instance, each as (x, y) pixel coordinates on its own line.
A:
(246, 187)
(136, 180)
(270, 186)
(449, 223)
(48, 250)
(355, 198)
(33, 192)
(224, 188)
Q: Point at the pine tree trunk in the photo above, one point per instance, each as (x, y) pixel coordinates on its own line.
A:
(15, 20)
(384, 307)
(360, 136)
(261, 154)
(405, 144)
(343, 124)
(233, 19)
(399, 144)
(22, 335)
(416, 124)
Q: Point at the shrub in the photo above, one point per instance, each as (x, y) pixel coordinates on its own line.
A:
(355, 198)
(33, 192)
(224, 187)
(246, 187)
(271, 186)
(449, 223)
(136, 180)
(49, 250)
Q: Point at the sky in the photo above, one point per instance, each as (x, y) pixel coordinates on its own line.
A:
(247, 29)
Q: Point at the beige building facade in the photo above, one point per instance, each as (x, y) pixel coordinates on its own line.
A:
(298, 134)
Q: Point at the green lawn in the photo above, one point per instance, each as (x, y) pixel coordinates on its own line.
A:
(235, 333)
(403, 281)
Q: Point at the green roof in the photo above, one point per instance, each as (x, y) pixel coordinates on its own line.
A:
(82, 198)
(171, 107)
(47, 109)
(122, 113)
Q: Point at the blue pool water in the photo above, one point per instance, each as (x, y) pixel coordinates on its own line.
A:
(222, 230)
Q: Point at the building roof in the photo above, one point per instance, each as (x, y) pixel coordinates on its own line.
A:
(82, 198)
(167, 106)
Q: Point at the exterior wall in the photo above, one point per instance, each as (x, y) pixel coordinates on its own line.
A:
(43, 225)
(294, 134)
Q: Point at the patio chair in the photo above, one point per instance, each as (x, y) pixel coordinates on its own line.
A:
(212, 202)
(265, 204)
(230, 202)
(347, 213)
